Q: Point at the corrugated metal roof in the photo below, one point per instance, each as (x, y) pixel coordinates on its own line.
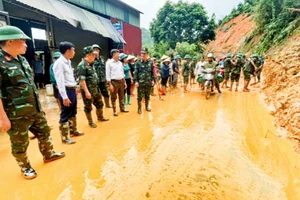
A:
(75, 16)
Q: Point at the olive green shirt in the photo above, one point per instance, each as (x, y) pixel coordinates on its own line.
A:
(86, 71)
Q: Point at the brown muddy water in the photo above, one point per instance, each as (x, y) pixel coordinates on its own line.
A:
(187, 148)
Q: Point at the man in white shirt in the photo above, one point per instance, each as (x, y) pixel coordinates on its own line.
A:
(116, 79)
(66, 84)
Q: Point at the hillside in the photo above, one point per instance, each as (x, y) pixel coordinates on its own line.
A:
(231, 36)
(281, 73)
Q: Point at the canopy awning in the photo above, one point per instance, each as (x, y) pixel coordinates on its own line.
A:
(77, 17)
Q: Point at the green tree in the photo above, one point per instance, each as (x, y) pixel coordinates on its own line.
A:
(146, 37)
(185, 48)
(182, 22)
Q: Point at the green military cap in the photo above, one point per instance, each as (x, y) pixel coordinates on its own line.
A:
(229, 55)
(144, 50)
(12, 33)
(254, 56)
(96, 46)
(195, 58)
(123, 56)
(187, 57)
(177, 57)
(88, 50)
(56, 55)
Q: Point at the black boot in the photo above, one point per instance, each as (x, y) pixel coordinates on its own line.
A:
(73, 127)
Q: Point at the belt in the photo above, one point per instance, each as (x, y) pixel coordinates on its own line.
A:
(117, 80)
(71, 87)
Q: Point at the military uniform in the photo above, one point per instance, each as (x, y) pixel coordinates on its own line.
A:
(248, 70)
(236, 70)
(228, 66)
(100, 70)
(212, 65)
(20, 101)
(186, 72)
(144, 76)
(192, 68)
(87, 72)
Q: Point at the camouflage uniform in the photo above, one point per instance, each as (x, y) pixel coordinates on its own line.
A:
(248, 70)
(87, 72)
(236, 70)
(228, 66)
(100, 70)
(144, 76)
(258, 64)
(192, 69)
(21, 103)
(186, 72)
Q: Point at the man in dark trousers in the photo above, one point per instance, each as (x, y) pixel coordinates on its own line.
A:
(66, 84)
(20, 108)
(116, 79)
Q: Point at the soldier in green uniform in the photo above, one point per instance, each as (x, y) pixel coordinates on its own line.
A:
(144, 79)
(212, 64)
(236, 71)
(257, 64)
(249, 69)
(89, 86)
(228, 65)
(186, 72)
(20, 108)
(100, 69)
(192, 70)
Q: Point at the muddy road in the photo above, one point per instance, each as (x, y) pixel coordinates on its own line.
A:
(186, 148)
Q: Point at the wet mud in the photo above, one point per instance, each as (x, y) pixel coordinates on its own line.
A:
(187, 148)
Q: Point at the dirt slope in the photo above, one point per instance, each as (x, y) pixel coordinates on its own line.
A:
(230, 37)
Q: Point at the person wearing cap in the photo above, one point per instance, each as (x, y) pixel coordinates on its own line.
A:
(128, 78)
(20, 108)
(257, 65)
(236, 71)
(192, 70)
(55, 56)
(90, 92)
(100, 70)
(186, 72)
(213, 65)
(144, 80)
(66, 84)
(228, 65)
(165, 73)
(249, 69)
(116, 79)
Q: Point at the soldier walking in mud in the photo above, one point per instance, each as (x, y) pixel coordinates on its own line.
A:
(20, 108)
(192, 70)
(116, 79)
(228, 65)
(144, 80)
(66, 84)
(89, 86)
(186, 72)
(100, 70)
(236, 72)
(257, 65)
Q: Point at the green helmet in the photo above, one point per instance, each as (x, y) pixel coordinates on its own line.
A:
(229, 55)
(12, 33)
(187, 57)
(195, 58)
(254, 56)
(87, 50)
(56, 55)
(96, 46)
(177, 57)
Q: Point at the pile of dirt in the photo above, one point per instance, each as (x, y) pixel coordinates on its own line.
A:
(231, 36)
(281, 86)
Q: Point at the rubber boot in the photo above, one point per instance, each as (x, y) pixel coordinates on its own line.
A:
(27, 171)
(128, 100)
(90, 119)
(73, 127)
(64, 133)
(46, 148)
(114, 109)
(139, 107)
(147, 106)
(125, 102)
(99, 113)
(106, 101)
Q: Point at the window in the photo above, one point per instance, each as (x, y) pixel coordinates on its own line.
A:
(38, 34)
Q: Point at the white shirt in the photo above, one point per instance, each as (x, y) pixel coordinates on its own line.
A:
(114, 70)
(64, 75)
(199, 69)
